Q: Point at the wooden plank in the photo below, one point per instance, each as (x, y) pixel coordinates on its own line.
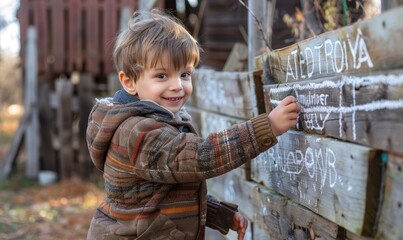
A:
(390, 223)
(23, 19)
(363, 109)
(366, 46)
(232, 188)
(75, 58)
(58, 36)
(260, 233)
(113, 83)
(282, 218)
(318, 173)
(46, 118)
(93, 38)
(64, 90)
(229, 93)
(390, 4)
(147, 5)
(258, 40)
(15, 146)
(130, 4)
(237, 59)
(110, 26)
(86, 102)
(31, 102)
(40, 18)
(352, 236)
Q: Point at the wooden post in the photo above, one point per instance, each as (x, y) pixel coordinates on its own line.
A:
(46, 119)
(147, 5)
(15, 146)
(92, 37)
(389, 4)
(31, 102)
(86, 98)
(64, 90)
(124, 18)
(113, 83)
(58, 36)
(312, 23)
(259, 11)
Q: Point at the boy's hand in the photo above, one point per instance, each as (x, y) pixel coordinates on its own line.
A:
(239, 224)
(285, 115)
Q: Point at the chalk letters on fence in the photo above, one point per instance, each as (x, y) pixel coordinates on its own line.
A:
(316, 108)
(335, 55)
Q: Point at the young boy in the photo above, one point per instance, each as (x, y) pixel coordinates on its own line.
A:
(154, 165)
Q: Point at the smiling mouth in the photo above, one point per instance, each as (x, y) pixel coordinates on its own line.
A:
(173, 99)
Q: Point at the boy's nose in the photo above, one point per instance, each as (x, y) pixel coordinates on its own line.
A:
(176, 84)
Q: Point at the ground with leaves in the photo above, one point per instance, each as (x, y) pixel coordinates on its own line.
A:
(31, 211)
(59, 211)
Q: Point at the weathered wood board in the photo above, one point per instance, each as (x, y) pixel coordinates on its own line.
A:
(363, 47)
(338, 180)
(279, 217)
(364, 109)
(232, 188)
(282, 218)
(391, 220)
(229, 93)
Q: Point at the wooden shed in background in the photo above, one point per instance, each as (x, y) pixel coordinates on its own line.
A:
(72, 43)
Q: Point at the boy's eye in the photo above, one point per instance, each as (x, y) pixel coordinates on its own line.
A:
(162, 76)
(185, 75)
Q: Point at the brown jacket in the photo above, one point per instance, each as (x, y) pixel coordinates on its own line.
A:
(155, 167)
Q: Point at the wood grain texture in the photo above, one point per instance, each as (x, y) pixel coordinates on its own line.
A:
(365, 109)
(391, 224)
(76, 58)
(274, 216)
(227, 93)
(329, 177)
(363, 47)
(58, 47)
(64, 91)
(282, 218)
(93, 39)
(40, 21)
(110, 30)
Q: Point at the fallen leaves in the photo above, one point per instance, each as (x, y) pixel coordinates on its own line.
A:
(59, 211)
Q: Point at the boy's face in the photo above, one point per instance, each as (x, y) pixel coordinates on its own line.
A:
(164, 85)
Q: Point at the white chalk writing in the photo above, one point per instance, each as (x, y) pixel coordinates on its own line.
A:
(335, 55)
(318, 163)
(315, 106)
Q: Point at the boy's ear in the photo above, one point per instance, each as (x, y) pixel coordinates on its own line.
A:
(128, 84)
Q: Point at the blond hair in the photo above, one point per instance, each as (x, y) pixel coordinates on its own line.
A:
(150, 34)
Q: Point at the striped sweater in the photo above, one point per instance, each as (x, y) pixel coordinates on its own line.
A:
(155, 167)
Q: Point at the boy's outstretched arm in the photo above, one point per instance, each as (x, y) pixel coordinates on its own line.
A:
(285, 115)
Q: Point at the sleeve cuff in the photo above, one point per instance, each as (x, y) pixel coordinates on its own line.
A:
(220, 215)
(263, 132)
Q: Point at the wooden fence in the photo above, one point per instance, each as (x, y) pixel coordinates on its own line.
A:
(338, 173)
(73, 35)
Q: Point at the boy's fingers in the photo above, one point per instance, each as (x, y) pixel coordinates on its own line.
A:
(288, 100)
(293, 116)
